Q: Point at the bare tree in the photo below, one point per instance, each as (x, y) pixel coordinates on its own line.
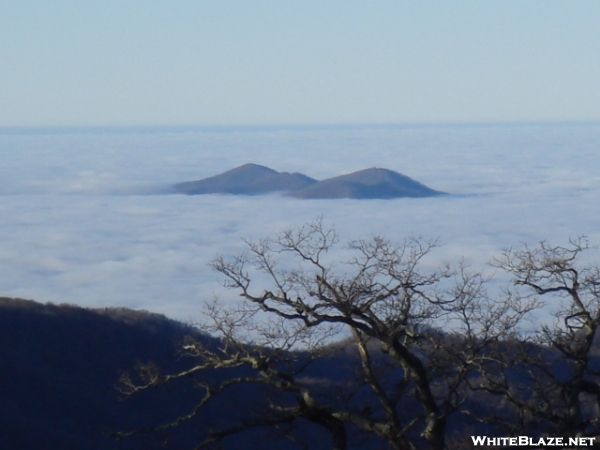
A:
(418, 335)
(251, 353)
(552, 379)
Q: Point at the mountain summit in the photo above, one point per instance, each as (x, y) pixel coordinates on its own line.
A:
(253, 179)
(367, 184)
(249, 179)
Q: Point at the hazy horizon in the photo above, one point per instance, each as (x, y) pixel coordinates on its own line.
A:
(199, 128)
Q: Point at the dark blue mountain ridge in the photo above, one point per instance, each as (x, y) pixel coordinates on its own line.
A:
(253, 179)
(374, 183)
(248, 179)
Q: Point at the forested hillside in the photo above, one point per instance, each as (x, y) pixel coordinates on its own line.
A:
(60, 371)
(59, 368)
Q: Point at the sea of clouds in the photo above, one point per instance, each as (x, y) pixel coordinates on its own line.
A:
(86, 217)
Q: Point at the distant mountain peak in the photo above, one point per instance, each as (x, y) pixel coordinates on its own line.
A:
(253, 179)
(373, 183)
(248, 179)
(252, 167)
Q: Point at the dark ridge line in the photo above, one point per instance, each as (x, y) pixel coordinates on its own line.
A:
(254, 179)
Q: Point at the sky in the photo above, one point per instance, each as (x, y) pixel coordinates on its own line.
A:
(259, 62)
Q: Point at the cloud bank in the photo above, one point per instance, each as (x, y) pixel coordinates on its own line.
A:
(85, 217)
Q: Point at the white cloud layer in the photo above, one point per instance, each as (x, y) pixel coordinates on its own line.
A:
(77, 226)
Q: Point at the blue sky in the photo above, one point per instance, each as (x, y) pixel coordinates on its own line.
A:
(129, 63)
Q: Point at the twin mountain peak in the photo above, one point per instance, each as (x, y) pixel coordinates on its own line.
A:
(253, 179)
